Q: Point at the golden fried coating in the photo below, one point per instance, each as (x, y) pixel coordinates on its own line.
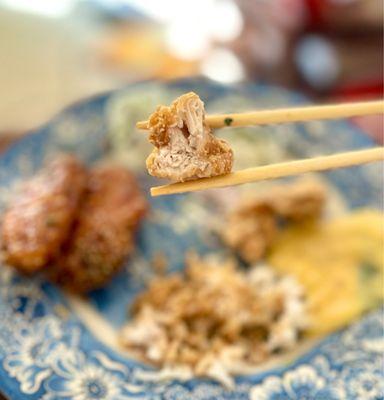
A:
(103, 234)
(185, 147)
(250, 231)
(251, 227)
(38, 220)
(303, 199)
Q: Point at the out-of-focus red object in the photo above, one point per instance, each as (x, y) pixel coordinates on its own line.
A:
(297, 43)
(372, 125)
(370, 89)
(345, 15)
(355, 29)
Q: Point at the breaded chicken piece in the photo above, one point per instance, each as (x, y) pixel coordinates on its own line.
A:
(302, 199)
(251, 227)
(39, 218)
(103, 235)
(250, 230)
(185, 148)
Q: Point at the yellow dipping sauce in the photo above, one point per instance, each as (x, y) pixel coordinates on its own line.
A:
(340, 264)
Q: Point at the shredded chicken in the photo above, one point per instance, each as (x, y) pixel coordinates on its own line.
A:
(185, 147)
(251, 227)
(215, 319)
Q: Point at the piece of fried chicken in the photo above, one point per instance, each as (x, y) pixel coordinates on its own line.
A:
(185, 148)
(251, 226)
(103, 235)
(40, 216)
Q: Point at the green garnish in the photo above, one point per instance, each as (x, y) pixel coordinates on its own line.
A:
(368, 272)
(228, 121)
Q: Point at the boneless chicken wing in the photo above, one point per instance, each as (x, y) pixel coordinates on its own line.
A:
(185, 147)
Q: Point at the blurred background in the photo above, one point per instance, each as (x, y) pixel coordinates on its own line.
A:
(53, 52)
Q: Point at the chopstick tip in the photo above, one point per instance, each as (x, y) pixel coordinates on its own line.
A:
(154, 191)
(142, 125)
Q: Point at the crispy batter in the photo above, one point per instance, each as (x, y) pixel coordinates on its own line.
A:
(251, 227)
(302, 199)
(250, 231)
(38, 221)
(215, 316)
(185, 147)
(159, 263)
(103, 235)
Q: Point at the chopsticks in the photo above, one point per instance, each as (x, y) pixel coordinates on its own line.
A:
(279, 170)
(272, 171)
(295, 114)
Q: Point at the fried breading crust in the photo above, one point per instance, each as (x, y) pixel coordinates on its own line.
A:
(185, 148)
(39, 218)
(251, 227)
(103, 234)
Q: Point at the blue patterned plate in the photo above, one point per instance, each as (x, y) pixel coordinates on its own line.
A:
(57, 347)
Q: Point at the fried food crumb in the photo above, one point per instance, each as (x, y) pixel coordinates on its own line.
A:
(185, 148)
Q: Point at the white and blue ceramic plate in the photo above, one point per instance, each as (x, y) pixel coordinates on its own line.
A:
(56, 347)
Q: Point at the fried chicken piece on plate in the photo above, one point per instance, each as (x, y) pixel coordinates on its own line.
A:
(104, 231)
(40, 216)
(251, 227)
(302, 199)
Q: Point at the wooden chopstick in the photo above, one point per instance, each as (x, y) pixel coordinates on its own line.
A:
(273, 171)
(295, 114)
